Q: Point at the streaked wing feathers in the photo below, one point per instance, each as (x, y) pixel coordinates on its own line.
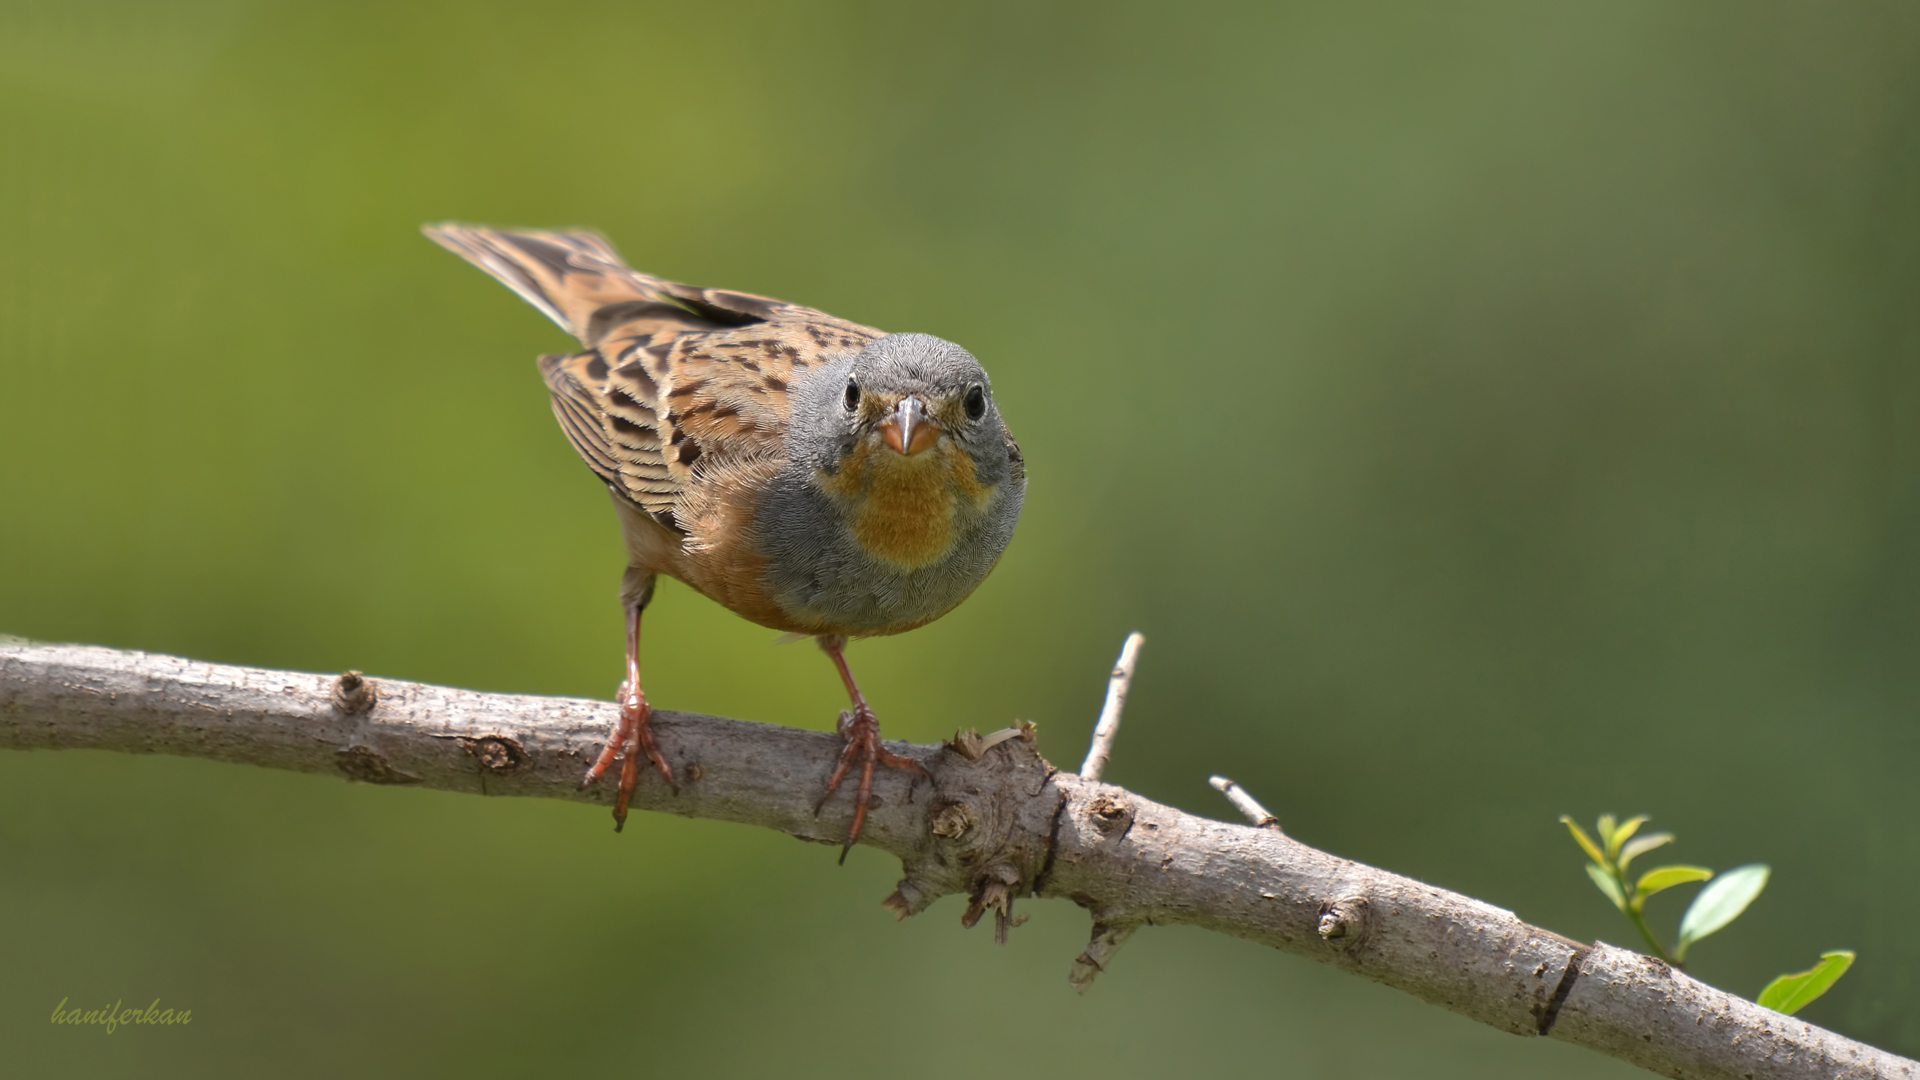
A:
(674, 378)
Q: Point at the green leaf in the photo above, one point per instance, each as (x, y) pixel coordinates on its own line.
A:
(1720, 903)
(1666, 877)
(1607, 885)
(1580, 837)
(1641, 845)
(1619, 835)
(1790, 993)
(1604, 830)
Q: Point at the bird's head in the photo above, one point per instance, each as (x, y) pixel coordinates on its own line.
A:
(910, 443)
(911, 393)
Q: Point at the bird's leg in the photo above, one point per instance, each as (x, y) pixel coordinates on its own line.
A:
(861, 730)
(632, 734)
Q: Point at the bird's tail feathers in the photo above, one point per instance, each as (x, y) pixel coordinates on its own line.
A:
(569, 276)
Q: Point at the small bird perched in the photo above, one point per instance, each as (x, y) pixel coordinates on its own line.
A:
(816, 476)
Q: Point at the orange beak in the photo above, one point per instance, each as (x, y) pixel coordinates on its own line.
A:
(909, 430)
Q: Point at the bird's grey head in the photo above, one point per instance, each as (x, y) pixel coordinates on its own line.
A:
(905, 394)
(902, 488)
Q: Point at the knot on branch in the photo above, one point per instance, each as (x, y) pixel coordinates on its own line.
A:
(989, 831)
(353, 693)
(952, 821)
(1345, 922)
(1111, 813)
(496, 753)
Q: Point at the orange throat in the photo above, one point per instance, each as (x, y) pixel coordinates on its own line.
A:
(904, 510)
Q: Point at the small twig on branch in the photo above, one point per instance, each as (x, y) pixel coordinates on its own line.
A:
(1112, 932)
(989, 827)
(1109, 725)
(1245, 803)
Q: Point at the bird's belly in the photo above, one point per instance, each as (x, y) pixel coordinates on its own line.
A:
(900, 559)
(876, 601)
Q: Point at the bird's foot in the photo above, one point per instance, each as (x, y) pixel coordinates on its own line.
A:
(861, 730)
(632, 739)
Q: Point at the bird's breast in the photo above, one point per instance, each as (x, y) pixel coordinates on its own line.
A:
(906, 511)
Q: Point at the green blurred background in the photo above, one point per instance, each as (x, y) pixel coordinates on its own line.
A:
(1488, 412)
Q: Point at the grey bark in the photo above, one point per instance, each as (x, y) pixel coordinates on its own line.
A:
(996, 826)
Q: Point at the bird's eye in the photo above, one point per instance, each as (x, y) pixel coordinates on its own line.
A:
(853, 395)
(976, 402)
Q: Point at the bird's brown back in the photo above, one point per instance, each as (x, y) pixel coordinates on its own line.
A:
(679, 400)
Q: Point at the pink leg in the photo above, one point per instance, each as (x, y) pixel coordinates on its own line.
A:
(632, 735)
(861, 730)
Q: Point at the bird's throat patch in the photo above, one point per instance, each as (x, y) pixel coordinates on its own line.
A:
(904, 510)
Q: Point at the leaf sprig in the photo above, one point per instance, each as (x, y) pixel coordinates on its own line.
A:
(1720, 902)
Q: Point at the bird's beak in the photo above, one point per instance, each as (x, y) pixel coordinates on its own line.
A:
(909, 430)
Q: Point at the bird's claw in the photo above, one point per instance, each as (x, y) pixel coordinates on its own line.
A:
(632, 739)
(860, 729)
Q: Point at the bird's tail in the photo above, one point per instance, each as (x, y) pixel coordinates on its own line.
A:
(574, 278)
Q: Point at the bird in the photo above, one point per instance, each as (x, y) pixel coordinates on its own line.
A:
(816, 476)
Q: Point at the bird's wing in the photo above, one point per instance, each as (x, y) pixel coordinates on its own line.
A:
(674, 377)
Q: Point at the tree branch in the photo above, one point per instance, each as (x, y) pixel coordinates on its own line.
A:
(994, 824)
